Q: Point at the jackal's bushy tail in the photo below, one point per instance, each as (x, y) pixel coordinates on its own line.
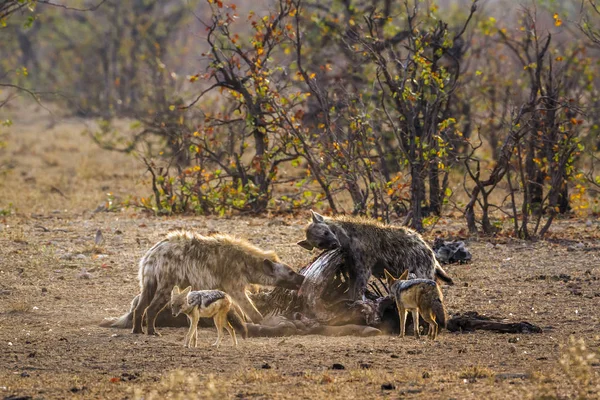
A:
(237, 322)
(439, 310)
(442, 275)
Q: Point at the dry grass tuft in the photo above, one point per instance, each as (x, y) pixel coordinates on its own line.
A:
(94, 249)
(19, 306)
(180, 384)
(257, 376)
(574, 376)
(475, 372)
(577, 363)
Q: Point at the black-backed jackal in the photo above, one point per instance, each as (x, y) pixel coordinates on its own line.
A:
(421, 297)
(213, 304)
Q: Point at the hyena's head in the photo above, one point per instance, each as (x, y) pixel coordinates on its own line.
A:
(179, 302)
(282, 275)
(319, 235)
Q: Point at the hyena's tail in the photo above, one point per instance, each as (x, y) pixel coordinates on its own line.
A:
(147, 275)
(442, 275)
(125, 321)
(237, 322)
(441, 317)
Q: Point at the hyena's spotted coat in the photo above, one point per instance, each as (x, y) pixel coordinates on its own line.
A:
(206, 262)
(372, 247)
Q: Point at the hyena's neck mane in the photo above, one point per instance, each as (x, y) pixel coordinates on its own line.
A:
(365, 226)
(251, 252)
(253, 257)
(227, 242)
(232, 248)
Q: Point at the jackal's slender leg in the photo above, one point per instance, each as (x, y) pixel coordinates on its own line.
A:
(196, 316)
(415, 314)
(231, 332)
(402, 314)
(186, 340)
(435, 330)
(193, 332)
(219, 323)
(433, 327)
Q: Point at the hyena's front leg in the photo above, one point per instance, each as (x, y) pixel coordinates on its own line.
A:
(360, 286)
(241, 298)
(415, 315)
(362, 271)
(160, 301)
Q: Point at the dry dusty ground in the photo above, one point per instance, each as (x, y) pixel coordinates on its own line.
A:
(51, 345)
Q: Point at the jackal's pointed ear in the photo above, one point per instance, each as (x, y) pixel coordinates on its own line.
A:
(404, 276)
(316, 217)
(175, 290)
(389, 278)
(305, 244)
(269, 266)
(186, 290)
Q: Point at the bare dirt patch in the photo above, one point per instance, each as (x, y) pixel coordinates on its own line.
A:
(57, 285)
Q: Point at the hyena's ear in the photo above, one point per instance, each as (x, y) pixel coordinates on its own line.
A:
(389, 278)
(305, 244)
(404, 276)
(175, 290)
(186, 290)
(269, 267)
(316, 217)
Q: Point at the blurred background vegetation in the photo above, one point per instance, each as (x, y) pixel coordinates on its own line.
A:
(392, 109)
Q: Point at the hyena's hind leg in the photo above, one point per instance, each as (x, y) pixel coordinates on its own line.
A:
(160, 301)
(138, 312)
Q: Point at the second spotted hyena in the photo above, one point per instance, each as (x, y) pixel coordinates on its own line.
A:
(372, 247)
(206, 262)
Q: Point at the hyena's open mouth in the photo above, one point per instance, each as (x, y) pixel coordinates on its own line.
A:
(291, 285)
